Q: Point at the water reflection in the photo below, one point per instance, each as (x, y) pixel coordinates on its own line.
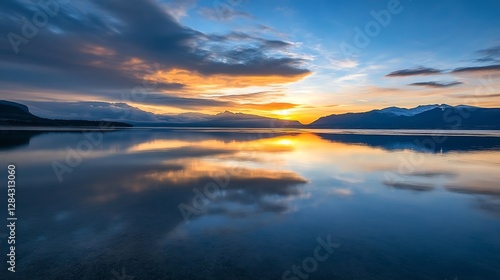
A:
(277, 193)
(422, 143)
(13, 139)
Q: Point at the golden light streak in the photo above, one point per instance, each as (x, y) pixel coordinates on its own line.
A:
(195, 80)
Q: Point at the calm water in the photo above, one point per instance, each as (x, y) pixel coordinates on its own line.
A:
(212, 204)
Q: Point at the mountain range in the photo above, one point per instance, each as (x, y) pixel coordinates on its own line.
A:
(225, 119)
(15, 114)
(422, 117)
(437, 116)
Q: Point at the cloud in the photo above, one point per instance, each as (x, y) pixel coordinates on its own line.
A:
(418, 71)
(352, 77)
(179, 8)
(89, 111)
(204, 103)
(238, 36)
(489, 55)
(478, 69)
(199, 83)
(436, 84)
(348, 63)
(92, 46)
(225, 13)
(479, 96)
(271, 106)
(253, 96)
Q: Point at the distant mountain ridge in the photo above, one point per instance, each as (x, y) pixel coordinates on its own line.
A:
(13, 110)
(16, 114)
(420, 109)
(225, 119)
(435, 116)
(422, 117)
(409, 112)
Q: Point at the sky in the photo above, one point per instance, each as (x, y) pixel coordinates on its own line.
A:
(286, 59)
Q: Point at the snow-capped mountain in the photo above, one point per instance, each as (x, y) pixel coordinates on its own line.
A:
(422, 117)
(414, 111)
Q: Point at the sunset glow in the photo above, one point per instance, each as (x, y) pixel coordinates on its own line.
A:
(292, 61)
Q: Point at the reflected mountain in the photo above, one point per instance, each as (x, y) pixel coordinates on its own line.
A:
(428, 144)
(14, 139)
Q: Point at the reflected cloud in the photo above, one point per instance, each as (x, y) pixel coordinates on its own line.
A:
(432, 174)
(341, 192)
(486, 194)
(410, 186)
(125, 197)
(479, 187)
(139, 181)
(489, 204)
(350, 178)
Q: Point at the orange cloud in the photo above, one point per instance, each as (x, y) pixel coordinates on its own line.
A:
(270, 106)
(194, 80)
(98, 50)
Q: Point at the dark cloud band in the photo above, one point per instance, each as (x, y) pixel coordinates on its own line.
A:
(104, 45)
(419, 71)
(436, 84)
(477, 69)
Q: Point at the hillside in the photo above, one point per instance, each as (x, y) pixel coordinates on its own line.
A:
(15, 114)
